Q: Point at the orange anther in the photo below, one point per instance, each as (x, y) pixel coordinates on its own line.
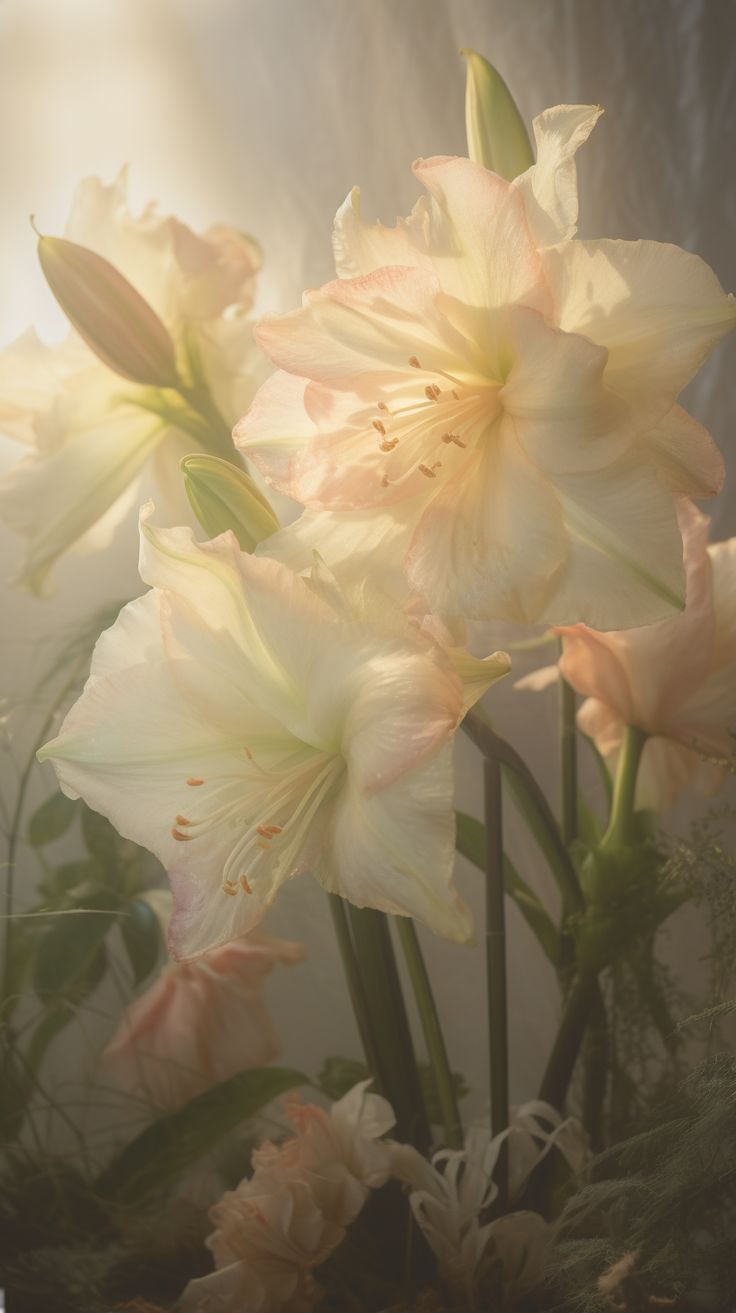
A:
(194, 782)
(414, 362)
(380, 428)
(182, 838)
(245, 886)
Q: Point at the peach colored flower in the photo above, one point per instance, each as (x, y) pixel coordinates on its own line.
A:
(248, 726)
(288, 1217)
(676, 680)
(504, 393)
(199, 1023)
(96, 440)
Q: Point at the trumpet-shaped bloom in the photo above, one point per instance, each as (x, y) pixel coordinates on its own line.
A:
(246, 725)
(199, 1023)
(505, 392)
(676, 680)
(288, 1217)
(96, 438)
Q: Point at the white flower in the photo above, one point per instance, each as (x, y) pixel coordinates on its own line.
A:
(246, 726)
(95, 438)
(504, 393)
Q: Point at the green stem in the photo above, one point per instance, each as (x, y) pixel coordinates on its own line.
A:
(568, 763)
(624, 789)
(355, 985)
(432, 1029)
(498, 1039)
(532, 804)
(562, 1059)
(399, 1075)
(595, 1075)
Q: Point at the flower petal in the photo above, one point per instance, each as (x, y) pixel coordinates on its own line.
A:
(54, 499)
(482, 221)
(625, 563)
(360, 247)
(550, 187)
(395, 850)
(687, 459)
(658, 309)
(490, 543)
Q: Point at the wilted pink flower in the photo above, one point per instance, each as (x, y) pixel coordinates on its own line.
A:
(676, 680)
(288, 1217)
(201, 1022)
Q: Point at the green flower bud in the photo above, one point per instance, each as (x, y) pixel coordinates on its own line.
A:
(496, 134)
(225, 497)
(113, 318)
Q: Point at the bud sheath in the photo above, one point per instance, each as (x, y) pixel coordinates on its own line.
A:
(113, 318)
(224, 497)
(496, 134)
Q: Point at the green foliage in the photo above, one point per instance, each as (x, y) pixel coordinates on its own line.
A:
(152, 1162)
(470, 841)
(665, 1197)
(142, 938)
(70, 953)
(52, 819)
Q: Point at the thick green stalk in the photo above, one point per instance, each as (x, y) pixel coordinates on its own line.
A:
(624, 789)
(498, 1038)
(399, 1075)
(568, 763)
(533, 805)
(566, 1047)
(434, 1039)
(356, 989)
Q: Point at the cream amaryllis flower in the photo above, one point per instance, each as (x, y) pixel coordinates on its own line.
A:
(676, 681)
(505, 393)
(285, 1220)
(96, 437)
(199, 1023)
(242, 723)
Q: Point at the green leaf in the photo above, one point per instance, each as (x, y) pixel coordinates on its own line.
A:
(101, 838)
(68, 877)
(338, 1075)
(142, 938)
(51, 819)
(68, 955)
(470, 841)
(497, 137)
(158, 1156)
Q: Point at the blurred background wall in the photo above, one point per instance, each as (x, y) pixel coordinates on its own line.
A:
(263, 113)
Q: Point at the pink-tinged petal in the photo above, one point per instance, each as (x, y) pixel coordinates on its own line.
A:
(550, 187)
(593, 666)
(199, 1023)
(360, 247)
(538, 681)
(667, 768)
(602, 724)
(624, 565)
(394, 850)
(481, 219)
(687, 459)
(565, 418)
(658, 309)
(359, 334)
(492, 541)
(276, 428)
(723, 563)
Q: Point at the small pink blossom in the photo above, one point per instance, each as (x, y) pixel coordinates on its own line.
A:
(201, 1022)
(676, 680)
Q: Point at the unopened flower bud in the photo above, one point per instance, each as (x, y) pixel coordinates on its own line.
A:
(495, 129)
(113, 318)
(224, 497)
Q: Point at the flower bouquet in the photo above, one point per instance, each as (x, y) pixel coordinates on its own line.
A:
(479, 419)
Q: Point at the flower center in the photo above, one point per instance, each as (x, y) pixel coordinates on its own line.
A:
(271, 809)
